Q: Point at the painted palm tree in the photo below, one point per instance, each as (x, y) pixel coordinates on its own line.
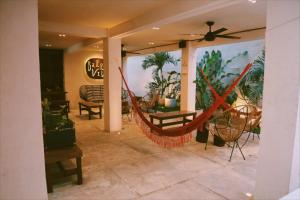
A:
(158, 60)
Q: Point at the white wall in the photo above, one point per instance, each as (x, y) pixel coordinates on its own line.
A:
(75, 74)
(22, 170)
(280, 103)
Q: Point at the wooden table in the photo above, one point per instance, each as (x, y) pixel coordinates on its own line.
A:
(172, 115)
(87, 105)
(56, 156)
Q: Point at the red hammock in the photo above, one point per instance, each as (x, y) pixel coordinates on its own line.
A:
(177, 136)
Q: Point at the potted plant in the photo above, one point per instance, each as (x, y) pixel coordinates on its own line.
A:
(173, 88)
(214, 68)
(158, 61)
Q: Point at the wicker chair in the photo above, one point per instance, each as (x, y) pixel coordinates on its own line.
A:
(253, 124)
(126, 104)
(230, 125)
(148, 103)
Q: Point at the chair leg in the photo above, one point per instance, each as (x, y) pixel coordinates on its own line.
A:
(237, 144)
(232, 151)
(246, 139)
(206, 142)
(128, 117)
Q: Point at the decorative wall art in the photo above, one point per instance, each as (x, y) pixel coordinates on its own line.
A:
(94, 68)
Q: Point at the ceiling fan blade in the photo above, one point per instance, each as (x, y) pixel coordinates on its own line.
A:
(192, 34)
(133, 52)
(219, 31)
(247, 30)
(228, 36)
(201, 39)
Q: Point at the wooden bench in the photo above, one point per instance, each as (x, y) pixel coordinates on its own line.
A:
(172, 115)
(56, 156)
(87, 105)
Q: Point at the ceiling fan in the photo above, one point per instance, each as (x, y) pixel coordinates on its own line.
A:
(212, 35)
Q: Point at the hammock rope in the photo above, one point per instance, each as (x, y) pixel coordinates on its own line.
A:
(178, 136)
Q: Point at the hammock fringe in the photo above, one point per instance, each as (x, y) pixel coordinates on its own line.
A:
(163, 141)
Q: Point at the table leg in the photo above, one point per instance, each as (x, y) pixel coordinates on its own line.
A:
(89, 111)
(79, 108)
(160, 123)
(79, 170)
(100, 111)
(184, 120)
(48, 178)
(68, 106)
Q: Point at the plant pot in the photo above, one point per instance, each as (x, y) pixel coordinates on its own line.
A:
(219, 142)
(202, 136)
(59, 138)
(170, 103)
(161, 101)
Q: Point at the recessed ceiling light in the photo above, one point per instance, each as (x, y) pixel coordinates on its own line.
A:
(62, 35)
(151, 43)
(252, 1)
(48, 45)
(155, 28)
(248, 194)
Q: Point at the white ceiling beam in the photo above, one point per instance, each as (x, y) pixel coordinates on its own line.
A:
(80, 45)
(74, 30)
(168, 14)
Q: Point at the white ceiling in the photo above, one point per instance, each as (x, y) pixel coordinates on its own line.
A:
(95, 13)
(106, 14)
(234, 18)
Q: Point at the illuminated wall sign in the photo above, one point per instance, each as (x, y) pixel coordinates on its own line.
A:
(94, 68)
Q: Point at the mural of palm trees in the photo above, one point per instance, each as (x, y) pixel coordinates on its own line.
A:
(158, 61)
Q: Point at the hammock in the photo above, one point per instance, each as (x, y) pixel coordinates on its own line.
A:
(178, 136)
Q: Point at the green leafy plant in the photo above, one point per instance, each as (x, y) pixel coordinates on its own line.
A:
(173, 84)
(214, 68)
(251, 86)
(169, 84)
(158, 61)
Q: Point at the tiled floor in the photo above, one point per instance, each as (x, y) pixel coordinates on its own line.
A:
(129, 166)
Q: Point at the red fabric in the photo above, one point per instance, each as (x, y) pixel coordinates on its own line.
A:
(216, 95)
(198, 122)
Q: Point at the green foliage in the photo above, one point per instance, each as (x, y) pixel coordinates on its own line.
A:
(158, 60)
(251, 86)
(214, 68)
(170, 83)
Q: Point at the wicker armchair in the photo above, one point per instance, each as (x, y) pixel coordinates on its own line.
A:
(230, 125)
(148, 103)
(253, 124)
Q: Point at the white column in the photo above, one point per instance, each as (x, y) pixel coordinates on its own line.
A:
(22, 170)
(280, 102)
(112, 85)
(188, 75)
